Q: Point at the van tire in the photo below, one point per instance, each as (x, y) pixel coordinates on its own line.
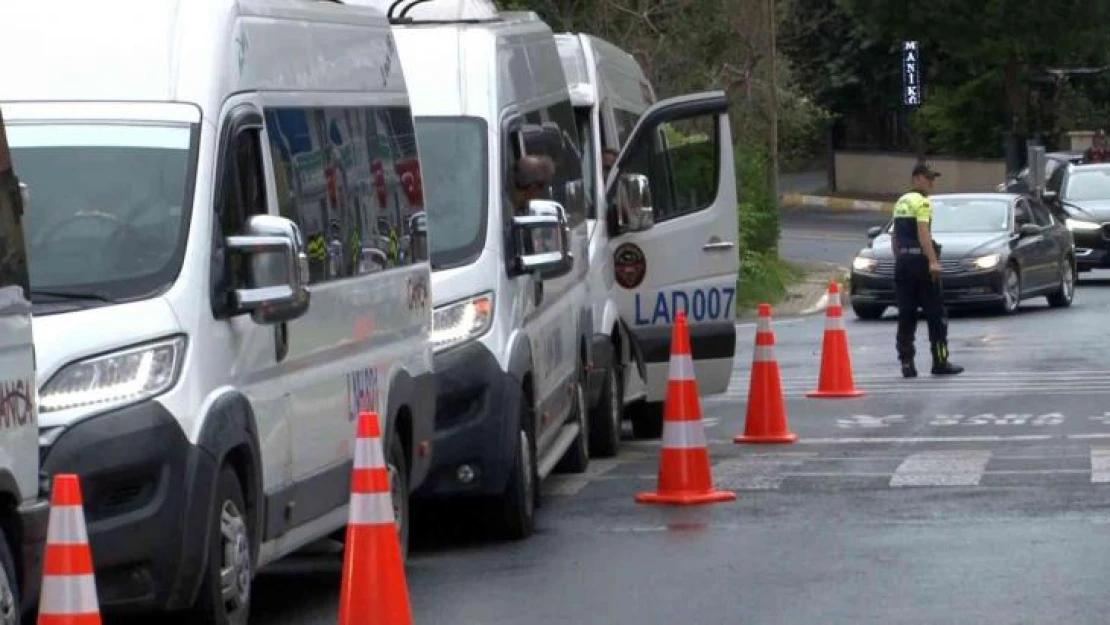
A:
(577, 457)
(517, 506)
(607, 418)
(399, 491)
(230, 542)
(11, 612)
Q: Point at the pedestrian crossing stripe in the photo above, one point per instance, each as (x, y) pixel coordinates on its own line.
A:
(797, 384)
(921, 469)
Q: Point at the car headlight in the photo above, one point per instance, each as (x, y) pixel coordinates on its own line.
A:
(862, 263)
(1075, 224)
(986, 262)
(128, 375)
(461, 321)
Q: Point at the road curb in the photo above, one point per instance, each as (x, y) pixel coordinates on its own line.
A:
(798, 200)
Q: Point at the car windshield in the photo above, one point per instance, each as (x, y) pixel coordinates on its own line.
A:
(977, 215)
(1088, 185)
(108, 206)
(453, 155)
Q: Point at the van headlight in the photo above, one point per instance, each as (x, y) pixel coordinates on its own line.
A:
(986, 262)
(461, 321)
(129, 375)
(1075, 224)
(862, 263)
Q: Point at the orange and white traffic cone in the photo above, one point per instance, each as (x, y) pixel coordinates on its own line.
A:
(765, 421)
(68, 594)
(374, 590)
(836, 362)
(684, 474)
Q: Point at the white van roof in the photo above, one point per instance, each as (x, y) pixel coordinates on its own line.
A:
(434, 10)
(514, 58)
(190, 51)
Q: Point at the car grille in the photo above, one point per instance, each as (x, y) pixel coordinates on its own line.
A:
(886, 267)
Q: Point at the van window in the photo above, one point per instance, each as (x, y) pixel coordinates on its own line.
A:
(111, 206)
(626, 122)
(456, 156)
(13, 257)
(554, 133)
(350, 178)
(680, 162)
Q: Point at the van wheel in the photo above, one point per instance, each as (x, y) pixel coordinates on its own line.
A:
(577, 458)
(605, 423)
(647, 419)
(11, 612)
(518, 502)
(399, 491)
(226, 592)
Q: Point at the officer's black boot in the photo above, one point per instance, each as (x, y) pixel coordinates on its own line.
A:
(908, 368)
(941, 366)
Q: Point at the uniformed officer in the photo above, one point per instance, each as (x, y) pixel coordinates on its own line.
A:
(917, 276)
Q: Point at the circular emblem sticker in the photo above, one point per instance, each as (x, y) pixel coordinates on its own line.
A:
(629, 265)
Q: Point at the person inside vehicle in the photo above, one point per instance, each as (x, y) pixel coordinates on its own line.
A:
(532, 176)
(1098, 152)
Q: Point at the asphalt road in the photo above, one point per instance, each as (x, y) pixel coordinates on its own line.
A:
(982, 498)
(821, 235)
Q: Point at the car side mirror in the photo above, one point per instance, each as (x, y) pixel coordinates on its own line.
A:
(543, 240)
(277, 270)
(1028, 230)
(874, 231)
(634, 205)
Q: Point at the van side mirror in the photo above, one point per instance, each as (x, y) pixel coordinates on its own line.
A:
(543, 240)
(277, 270)
(634, 205)
(874, 231)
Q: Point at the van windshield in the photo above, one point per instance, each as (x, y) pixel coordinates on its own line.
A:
(453, 157)
(106, 221)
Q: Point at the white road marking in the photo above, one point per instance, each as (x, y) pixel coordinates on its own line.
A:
(922, 439)
(1100, 465)
(868, 421)
(570, 485)
(752, 473)
(941, 468)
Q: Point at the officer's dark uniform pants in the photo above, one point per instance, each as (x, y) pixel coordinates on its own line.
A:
(915, 287)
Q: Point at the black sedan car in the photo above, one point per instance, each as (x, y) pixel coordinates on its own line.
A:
(1080, 196)
(997, 249)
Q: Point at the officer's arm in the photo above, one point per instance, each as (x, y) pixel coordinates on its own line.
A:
(924, 236)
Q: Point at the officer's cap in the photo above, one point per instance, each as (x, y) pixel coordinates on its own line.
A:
(923, 169)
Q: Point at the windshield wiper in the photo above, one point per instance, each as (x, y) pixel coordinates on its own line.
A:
(72, 295)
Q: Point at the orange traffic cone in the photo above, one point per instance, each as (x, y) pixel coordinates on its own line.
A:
(684, 473)
(68, 594)
(765, 421)
(836, 363)
(374, 590)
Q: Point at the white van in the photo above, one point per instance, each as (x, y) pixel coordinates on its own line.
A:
(23, 514)
(642, 271)
(226, 267)
(512, 321)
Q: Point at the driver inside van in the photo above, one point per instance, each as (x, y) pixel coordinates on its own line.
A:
(532, 176)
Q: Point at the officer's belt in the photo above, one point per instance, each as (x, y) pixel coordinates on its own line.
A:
(909, 251)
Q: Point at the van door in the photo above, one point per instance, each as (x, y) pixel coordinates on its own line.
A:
(19, 434)
(678, 250)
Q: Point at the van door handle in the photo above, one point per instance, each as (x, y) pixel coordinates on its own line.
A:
(717, 246)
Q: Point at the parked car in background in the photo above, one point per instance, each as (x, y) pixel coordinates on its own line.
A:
(996, 249)
(1054, 161)
(1079, 195)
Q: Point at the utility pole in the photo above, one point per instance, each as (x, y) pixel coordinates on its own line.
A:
(772, 10)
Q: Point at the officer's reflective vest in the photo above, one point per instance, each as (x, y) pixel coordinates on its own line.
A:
(910, 209)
